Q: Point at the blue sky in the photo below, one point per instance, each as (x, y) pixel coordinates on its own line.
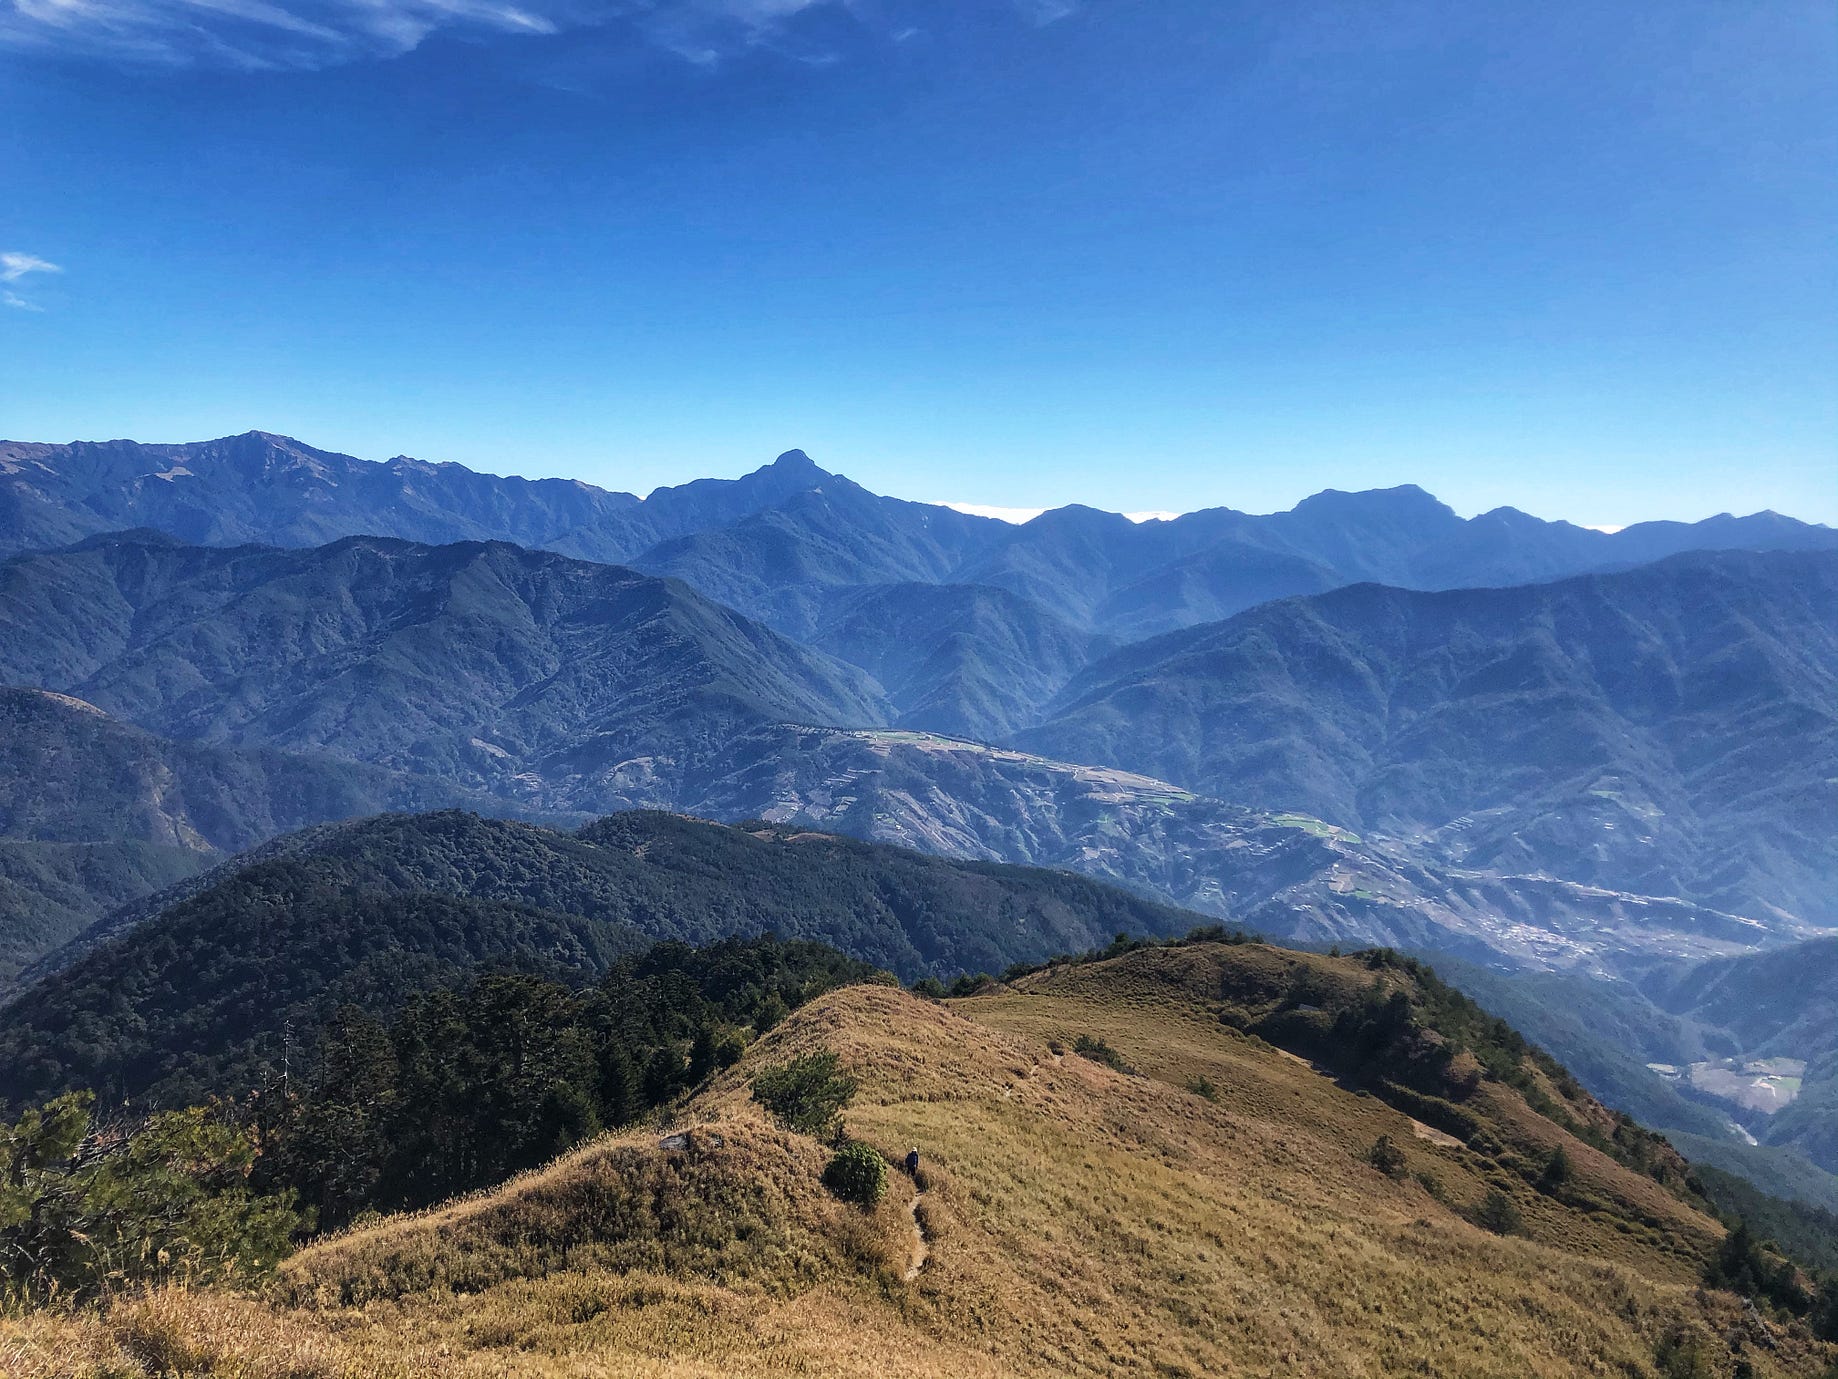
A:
(1576, 257)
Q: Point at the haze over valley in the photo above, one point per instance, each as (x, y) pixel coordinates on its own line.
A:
(1029, 689)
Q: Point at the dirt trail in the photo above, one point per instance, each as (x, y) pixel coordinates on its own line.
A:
(921, 1248)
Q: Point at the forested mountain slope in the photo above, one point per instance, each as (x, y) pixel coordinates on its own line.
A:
(197, 999)
(1669, 730)
(95, 812)
(496, 668)
(968, 660)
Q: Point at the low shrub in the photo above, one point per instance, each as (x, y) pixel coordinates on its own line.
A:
(1100, 1052)
(1386, 1157)
(1498, 1213)
(1557, 1172)
(856, 1173)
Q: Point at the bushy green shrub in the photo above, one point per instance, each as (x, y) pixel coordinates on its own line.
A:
(806, 1094)
(1557, 1172)
(87, 1209)
(1754, 1269)
(1386, 1157)
(1498, 1213)
(1680, 1355)
(1203, 1088)
(856, 1173)
(1100, 1052)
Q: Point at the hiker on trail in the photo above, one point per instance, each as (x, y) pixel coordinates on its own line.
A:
(912, 1162)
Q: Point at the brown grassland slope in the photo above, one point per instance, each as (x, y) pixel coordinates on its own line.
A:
(1081, 1216)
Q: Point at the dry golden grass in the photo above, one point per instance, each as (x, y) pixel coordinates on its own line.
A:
(1081, 1222)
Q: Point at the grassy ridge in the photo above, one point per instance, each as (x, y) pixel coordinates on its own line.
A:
(1078, 1220)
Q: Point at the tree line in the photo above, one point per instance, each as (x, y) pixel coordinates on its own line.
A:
(460, 1089)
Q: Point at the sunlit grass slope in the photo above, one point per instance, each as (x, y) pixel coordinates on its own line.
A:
(1080, 1219)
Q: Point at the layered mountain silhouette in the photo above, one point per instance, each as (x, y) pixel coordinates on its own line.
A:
(520, 672)
(1599, 767)
(782, 543)
(95, 812)
(549, 684)
(1669, 730)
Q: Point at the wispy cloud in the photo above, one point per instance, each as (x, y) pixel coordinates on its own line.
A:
(310, 34)
(15, 266)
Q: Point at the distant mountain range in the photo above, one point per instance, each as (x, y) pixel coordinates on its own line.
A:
(1670, 730)
(1662, 732)
(526, 682)
(800, 548)
(540, 678)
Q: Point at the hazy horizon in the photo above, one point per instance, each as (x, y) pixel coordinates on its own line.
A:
(1150, 257)
(1015, 514)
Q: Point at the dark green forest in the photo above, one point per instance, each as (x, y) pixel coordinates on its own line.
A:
(463, 1087)
(205, 998)
(470, 1084)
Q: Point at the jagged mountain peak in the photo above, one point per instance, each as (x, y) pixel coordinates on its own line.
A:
(794, 462)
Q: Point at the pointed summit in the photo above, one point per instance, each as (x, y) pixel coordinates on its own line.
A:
(796, 462)
(792, 472)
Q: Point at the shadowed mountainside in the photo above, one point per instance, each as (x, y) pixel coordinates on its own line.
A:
(1669, 730)
(95, 813)
(514, 671)
(194, 1000)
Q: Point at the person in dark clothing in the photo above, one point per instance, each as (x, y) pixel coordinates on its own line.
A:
(912, 1161)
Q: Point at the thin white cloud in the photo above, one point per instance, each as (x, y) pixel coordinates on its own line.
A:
(311, 34)
(261, 34)
(15, 266)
